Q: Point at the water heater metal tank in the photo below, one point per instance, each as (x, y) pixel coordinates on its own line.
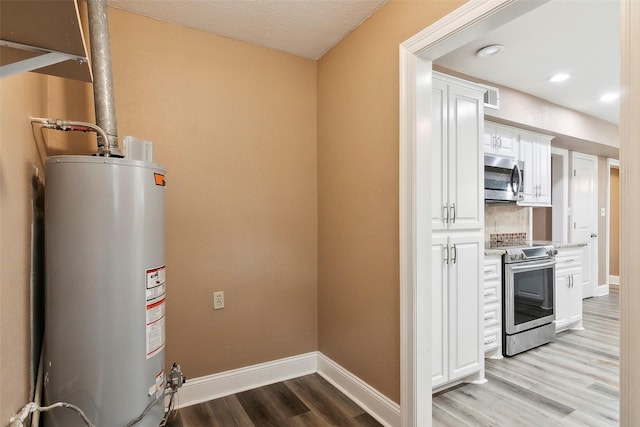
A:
(105, 289)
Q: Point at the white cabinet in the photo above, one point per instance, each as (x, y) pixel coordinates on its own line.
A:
(492, 300)
(535, 152)
(568, 289)
(457, 347)
(500, 140)
(457, 166)
(457, 221)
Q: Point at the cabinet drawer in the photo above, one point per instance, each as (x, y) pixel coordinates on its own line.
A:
(492, 316)
(491, 339)
(492, 270)
(567, 260)
(491, 294)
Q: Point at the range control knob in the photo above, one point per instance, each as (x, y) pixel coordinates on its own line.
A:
(514, 256)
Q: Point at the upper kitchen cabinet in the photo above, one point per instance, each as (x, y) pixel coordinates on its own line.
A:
(44, 37)
(457, 195)
(535, 152)
(500, 140)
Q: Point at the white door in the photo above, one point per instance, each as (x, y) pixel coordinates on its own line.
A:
(584, 216)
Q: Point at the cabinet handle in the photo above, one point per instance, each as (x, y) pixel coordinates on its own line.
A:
(446, 254)
(454, 251)
(571, 280)
(445, 213)
(453, 213)
(499, 142)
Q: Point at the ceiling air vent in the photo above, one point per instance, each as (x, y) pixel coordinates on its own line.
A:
(491, 97)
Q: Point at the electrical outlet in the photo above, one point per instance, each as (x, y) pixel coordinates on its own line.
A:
(218, 300)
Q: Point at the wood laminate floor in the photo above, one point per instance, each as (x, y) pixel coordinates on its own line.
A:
(571, 382)
(305, 401)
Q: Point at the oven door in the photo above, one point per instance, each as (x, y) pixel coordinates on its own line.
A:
(528, 295)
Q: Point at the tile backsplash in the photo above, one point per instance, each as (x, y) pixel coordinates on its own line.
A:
(507, 239)
(502, 219)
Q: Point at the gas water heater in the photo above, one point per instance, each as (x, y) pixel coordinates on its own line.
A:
(105, 290)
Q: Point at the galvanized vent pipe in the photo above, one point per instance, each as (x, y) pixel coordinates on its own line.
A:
(102, 76)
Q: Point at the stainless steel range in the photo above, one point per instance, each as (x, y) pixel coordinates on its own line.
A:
(528, 303)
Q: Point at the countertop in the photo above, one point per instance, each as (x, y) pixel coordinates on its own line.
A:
(489, 251)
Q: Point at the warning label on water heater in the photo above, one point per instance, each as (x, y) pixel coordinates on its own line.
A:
(155, 310)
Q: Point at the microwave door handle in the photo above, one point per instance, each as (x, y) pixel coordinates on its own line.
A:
(516, 185)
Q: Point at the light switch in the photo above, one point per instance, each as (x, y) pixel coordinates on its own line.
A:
(602, 212)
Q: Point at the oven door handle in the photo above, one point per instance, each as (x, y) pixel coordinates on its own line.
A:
(532, 265)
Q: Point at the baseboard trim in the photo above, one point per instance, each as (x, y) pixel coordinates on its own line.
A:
(210, 387)
(602, 290)
(383, 409)
(614, 280)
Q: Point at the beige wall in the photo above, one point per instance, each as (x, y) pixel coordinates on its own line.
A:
(235, 126)
(358, 281)
(21, 96)
(541, 224)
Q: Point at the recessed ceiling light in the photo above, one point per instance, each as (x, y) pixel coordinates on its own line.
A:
(490, 50)
(560, 77)
(608, 97)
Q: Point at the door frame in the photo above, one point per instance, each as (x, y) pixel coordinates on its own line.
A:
(611, 164)
(415, 232)
(469, 21)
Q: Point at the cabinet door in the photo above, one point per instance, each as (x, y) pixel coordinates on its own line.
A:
(465, 320)
(439, 342)
(439, 156)
(506, 144)
(568, 288)
(535, 152)
(499, 140)
(575, 299)
(543, 159)
(466, 165)
(562, 299)
(528, 174)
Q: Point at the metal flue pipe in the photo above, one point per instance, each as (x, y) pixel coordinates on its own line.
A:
(102, 77)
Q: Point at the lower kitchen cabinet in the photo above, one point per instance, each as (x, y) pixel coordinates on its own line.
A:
(457, 327)
(492, 312)
(568, 289)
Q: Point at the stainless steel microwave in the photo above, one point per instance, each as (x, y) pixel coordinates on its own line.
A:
(503, 179)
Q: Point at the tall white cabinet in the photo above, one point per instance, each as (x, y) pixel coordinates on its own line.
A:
(458, 240)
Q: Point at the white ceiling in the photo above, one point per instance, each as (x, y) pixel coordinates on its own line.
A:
(576, 36)
(580, 37)
(306, 28)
